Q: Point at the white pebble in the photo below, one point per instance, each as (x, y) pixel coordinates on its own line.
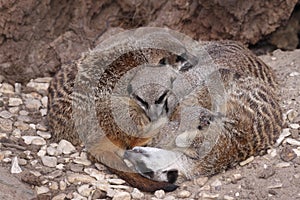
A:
(37, 140)
(62, 185)
(49, 161)
(160, 194)
(44, 101)
(137, 194)
(14, 101)
(94, 173)
(76, 178)
(43, 112)
(41, 189)
(82, 159)
(283, 165)
(5, 114)
(184, 194)
(294, 74)
(285, 132)
(122, 196)
(293, 141)
(43, 134)
(66, 147)
(294, 126)
(85, 190)
(15, 168)
(18, 88)
(247, 161)
(61, 196)
(116, 181)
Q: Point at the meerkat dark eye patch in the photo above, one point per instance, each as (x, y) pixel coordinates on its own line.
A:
(144, 103)
(161, 98)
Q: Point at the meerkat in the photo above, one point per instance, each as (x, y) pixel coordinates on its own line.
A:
(162, 119)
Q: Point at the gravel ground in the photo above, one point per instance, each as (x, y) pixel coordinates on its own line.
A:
(32, 167)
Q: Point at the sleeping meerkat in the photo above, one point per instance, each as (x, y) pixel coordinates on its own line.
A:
(155, 112)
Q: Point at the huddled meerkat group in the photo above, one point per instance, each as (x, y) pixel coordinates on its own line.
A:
(164, 116)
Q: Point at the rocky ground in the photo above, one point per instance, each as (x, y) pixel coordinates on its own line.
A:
(32, 167)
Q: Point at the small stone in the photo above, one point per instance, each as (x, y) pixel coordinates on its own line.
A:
(22, 161)
(237, 177)
(53, 185)
(82, 160)
(15, 101)
(44, 101)
(76, 168)
(216, 184)
(122, 196)
(273, 58)
(287, 154)
(98, 194)
(294, 74)
(39, 87)
(23, 112)
(169, 197)
(24, 118)
(94, 173)
(76, 178)
(41, 153)
(278, 185)
(137, 194)
(60, 166)
(60, 196)
(102, 186)
(291, 115)
(51, 151)
(43, 112)
(247, 161)
(6, 88)
(116, 181)
(297, 152)
(5, 114)
(292, 141)
(15, 168)
(62, 185)
(85, 190)
(36, 140)
(110, 192)
(18, 87)
(226, 197)
(3, 135)
(54, 174)
(160, 194)
(283, 165)
(45, 135)
(184, 194)
(295, 134)
(66, 147)
(294, 126)
(285, 133)
(32, 104)
(22, 126)
(49, 161)
(41, 189)
(201, 181)
(41, 127)
(5, 125)
(204, 195)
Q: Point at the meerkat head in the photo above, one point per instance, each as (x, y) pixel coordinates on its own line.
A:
(154, 163)
(151, 89)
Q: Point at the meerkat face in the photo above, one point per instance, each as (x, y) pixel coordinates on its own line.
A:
(156, 164)
(151, 89)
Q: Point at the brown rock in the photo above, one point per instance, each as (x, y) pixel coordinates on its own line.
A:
(287, 154)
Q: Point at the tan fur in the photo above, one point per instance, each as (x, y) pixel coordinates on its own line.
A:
(253, 120)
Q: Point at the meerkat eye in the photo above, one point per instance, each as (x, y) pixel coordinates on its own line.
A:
(161, 98)
(144, 103)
